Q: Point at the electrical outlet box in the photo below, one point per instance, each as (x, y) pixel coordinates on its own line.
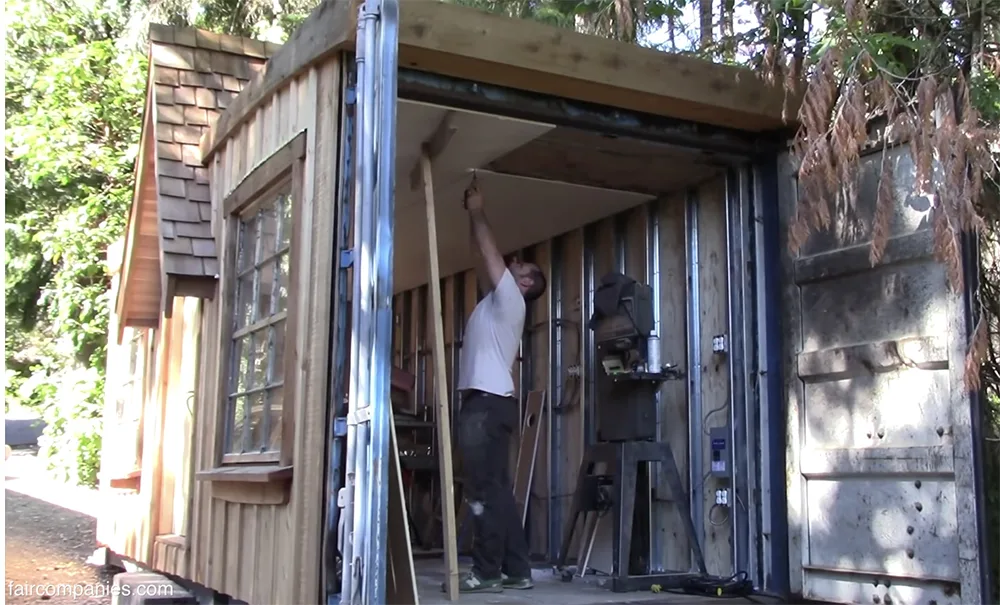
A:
(719, 460)
(719, 343)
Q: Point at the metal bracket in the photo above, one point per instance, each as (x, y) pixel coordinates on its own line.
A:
(340, 427)
(360, 416)
(346, 258)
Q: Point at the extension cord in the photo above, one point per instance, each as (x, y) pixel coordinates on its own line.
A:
(713, 586)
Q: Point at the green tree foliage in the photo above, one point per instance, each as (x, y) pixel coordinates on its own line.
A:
(72, 115)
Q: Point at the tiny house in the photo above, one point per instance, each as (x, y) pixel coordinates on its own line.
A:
(276, 189)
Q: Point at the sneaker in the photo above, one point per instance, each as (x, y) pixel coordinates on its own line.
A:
(516, 583)
(471, 582)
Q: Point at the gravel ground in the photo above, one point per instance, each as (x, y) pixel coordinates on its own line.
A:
(48, 544)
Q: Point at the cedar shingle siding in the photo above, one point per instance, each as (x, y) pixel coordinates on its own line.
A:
(195, 75)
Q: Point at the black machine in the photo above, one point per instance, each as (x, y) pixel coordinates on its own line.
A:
(626, 383)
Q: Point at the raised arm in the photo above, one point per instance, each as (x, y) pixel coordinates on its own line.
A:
(490, 266)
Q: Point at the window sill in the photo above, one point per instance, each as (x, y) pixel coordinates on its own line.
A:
(250, 484)
(129, 481)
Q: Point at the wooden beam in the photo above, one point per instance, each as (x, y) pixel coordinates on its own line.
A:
(434, 146)
(462, 42)
(443, 410)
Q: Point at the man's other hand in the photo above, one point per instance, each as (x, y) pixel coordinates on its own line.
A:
(473, 199)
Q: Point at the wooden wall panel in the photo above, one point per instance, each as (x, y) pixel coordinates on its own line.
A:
(568, 415)
(673, 394)
(570, 325)
(633, 230)
(540, 337)
(713, 276)
(260, 553)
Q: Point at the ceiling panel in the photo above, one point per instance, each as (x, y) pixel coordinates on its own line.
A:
(478, 140)
(522, 211)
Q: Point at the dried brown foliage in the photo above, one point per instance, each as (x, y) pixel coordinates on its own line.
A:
(948, 145)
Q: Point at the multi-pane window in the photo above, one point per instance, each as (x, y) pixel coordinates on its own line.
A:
(126, 391)
(128, 405)
(256, 380)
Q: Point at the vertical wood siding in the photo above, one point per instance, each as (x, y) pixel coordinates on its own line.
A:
(260, 553)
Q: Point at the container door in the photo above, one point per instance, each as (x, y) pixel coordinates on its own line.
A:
(365, 496)
(881, 490)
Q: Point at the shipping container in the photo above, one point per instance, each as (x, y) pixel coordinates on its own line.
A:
(274, 302)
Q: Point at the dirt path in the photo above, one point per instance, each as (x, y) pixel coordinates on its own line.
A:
(47, 544)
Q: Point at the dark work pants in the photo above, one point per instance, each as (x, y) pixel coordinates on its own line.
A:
(485, 426)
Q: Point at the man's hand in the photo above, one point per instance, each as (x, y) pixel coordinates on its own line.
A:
(473, 199)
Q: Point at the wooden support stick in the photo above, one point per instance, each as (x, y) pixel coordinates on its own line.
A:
(401, 585)
(443, 414)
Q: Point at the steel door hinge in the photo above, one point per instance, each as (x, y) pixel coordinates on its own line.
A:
(360, 416)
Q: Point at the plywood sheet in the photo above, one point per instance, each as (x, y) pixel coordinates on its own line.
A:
(478, 139)
(522, 211)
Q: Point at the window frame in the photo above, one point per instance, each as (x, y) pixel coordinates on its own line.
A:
(283, 169)
(130, 403)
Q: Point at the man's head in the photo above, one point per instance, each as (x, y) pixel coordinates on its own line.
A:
(529, 278)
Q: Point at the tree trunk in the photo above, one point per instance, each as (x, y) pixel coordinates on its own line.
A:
(705, 40)
(727, 10)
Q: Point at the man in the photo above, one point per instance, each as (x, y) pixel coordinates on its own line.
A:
(489, 414)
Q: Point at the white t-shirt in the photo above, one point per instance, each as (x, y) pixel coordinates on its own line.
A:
(491, 340)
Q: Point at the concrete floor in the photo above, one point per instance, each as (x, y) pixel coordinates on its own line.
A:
(550, 589)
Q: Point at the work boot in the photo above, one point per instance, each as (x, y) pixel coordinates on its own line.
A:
(516, 583)
(471, 582)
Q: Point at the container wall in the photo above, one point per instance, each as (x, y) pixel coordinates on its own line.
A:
(264, 553)
(555, 359)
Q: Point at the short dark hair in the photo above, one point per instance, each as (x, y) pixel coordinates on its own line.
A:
(538, 284)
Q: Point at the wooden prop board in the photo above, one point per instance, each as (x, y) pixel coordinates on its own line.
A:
(441, 379)
(527, 451)
(401, 583)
